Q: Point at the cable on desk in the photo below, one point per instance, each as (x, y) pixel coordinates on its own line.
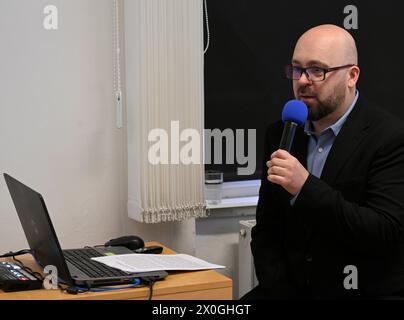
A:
(151, 289)
(150, 283)
(78, 289)
(16, 253)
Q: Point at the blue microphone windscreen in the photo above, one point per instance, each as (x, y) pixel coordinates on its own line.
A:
(295, 111)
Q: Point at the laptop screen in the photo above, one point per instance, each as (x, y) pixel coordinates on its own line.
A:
(38, 228)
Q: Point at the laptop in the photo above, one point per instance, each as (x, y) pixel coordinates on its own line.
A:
(74, 266)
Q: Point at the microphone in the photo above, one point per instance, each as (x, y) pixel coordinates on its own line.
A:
(294, 114)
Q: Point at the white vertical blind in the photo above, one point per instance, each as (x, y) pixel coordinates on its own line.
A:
(164, 89)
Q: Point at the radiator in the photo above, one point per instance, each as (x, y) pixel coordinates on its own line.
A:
(246, 272)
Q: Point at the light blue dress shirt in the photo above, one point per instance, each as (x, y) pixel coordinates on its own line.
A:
(319, 146)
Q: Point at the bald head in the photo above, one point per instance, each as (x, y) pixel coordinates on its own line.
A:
(321, 48)
(329, 44)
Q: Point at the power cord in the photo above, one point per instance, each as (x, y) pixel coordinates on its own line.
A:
(207, 26)
(16, 253)
(150, 283)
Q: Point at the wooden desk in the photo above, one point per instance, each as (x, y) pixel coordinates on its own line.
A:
(190, 285)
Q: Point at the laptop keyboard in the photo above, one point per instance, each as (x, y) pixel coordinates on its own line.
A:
(81, 259)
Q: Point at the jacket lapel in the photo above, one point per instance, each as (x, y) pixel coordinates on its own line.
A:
(352, 133)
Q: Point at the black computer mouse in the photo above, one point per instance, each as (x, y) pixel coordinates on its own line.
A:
(130, 242)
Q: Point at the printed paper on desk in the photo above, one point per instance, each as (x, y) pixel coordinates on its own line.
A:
(153, 262)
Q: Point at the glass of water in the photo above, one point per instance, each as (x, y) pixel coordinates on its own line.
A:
(213, 186)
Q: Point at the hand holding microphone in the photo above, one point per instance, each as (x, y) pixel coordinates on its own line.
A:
(284, 169)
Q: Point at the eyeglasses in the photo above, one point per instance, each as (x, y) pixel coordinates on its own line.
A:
(314, 74)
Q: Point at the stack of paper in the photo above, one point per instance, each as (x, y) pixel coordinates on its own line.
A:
(135, 263)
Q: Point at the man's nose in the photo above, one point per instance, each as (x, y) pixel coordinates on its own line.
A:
(304, 80)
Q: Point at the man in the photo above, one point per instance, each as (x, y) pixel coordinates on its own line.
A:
(330, 215)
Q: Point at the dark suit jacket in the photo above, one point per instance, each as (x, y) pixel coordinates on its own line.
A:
(352, 215)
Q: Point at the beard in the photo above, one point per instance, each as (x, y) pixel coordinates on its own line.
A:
(321, 108)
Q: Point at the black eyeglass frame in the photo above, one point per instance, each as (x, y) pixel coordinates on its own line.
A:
(289, 70)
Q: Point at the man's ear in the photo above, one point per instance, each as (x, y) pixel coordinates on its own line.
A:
(353, 76)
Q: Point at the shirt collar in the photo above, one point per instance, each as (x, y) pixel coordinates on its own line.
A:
(337, 126)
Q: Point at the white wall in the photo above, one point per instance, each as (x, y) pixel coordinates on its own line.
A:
(57, 126)
(217, 239)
